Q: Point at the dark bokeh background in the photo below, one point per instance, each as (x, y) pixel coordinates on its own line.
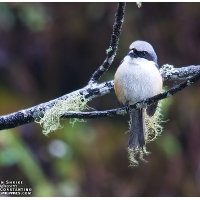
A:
(50, 49)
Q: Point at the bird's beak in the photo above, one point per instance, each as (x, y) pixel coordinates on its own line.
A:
(131, 53)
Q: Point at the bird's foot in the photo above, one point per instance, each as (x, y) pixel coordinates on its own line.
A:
(127, 105)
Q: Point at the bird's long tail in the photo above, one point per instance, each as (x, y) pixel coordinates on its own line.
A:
(137, 131)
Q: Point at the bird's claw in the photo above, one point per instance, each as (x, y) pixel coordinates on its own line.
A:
(127, 105)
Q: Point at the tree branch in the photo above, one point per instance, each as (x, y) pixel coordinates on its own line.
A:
(168, 72)
(31, 114)
(143, 103)
(94, 90)
(112, 50)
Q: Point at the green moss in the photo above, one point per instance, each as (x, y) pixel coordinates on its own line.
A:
(51, 119)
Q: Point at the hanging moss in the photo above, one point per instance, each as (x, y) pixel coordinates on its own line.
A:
(51, 119)
(153, 129)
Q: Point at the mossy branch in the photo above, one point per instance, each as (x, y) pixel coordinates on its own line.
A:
(94, 90)
(143, 103)
(168, 72)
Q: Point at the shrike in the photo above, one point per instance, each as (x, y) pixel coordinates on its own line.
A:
(138, 78)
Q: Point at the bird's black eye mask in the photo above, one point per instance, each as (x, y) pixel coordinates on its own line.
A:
(141, 54)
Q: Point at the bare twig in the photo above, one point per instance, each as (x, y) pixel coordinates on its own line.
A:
(112, 50)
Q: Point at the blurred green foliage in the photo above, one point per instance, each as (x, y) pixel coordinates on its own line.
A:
(33, 16)
(7, 17)
(169, 144)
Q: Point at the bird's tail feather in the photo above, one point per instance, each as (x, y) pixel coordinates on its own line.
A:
(137, 131)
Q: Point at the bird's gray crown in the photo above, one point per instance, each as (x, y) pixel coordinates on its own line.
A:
(143, 49)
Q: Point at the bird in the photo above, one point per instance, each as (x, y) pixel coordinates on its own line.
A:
(138, 78)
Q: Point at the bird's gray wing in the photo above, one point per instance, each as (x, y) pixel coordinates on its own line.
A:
(152, 109)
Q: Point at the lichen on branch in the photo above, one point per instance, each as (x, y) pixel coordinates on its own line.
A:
(51, 117)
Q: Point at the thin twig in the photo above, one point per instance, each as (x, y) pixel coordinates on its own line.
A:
(112, 50)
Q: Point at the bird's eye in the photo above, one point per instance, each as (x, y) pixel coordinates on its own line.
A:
(143, 53)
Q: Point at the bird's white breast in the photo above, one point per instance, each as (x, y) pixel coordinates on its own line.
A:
(137, 79)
